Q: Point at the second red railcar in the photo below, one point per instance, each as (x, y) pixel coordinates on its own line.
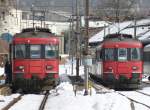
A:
(119, 60)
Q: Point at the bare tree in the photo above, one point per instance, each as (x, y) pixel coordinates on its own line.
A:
(116, 10)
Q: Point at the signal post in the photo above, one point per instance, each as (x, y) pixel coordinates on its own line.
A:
(85, 51)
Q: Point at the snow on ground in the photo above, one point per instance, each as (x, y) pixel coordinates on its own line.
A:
(137, 96)
(28, 102)
(66, 100)
(1, 71)
(5, 100)
(145, 77)
(146, 90)
(63, 97)
(2, 80)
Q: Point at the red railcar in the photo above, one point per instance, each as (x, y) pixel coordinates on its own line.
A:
(120, 59)
(35, 58)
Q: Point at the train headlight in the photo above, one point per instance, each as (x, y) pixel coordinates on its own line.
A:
(21, 67)
(49, 67)
(134, 68)
(110, 68)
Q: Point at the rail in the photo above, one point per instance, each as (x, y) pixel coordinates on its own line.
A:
(12, 103)
(44, 101)
(134, 100)
(103, 89)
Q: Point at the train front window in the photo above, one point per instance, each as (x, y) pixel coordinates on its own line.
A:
(109, 54)
(20, 51)
(122, 54)
(135, 54)
(51, 51)
(35, 51)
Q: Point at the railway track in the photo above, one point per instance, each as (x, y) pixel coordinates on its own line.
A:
(143, 93)
(44, 101)
(13, 102)
(102, 89)
(17, 100)
(134, 100)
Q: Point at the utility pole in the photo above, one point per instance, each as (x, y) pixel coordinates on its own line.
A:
(135, 27)
(77, 38)
(33, 14)
(85, 53)
(118, 14)
(135, 23)
(42, 17)
(72, 34)
(17, 11)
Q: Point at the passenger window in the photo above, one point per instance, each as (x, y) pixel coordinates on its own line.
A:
(51, 51)
(109, 54)
(20, 51)
(135, 54)
(35, 51)
(122, 54)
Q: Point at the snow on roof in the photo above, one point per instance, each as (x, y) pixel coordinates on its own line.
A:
(147, 48)
(143, 21)
(95, 24)
(109, 30)
(142, 32)
(145, 36)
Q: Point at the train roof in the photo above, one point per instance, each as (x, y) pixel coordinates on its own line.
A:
(120, 40)
(38, 32)
(127, 43)
(118, 36)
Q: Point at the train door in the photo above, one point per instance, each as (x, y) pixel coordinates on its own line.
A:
(36, 63)
(109, 63)
(123, 65)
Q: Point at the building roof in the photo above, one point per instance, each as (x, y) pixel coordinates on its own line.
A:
(142, 31)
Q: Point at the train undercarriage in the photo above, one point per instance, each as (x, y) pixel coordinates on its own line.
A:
(121, 83)
(34, 84)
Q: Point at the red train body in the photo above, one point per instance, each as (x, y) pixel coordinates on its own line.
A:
(35, 58)
(120, 58)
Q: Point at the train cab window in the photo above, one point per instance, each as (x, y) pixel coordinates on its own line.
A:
(20, 51)
(122, 54)
(109, 54)
(51, 51)
(35, 51)
(135, 54)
